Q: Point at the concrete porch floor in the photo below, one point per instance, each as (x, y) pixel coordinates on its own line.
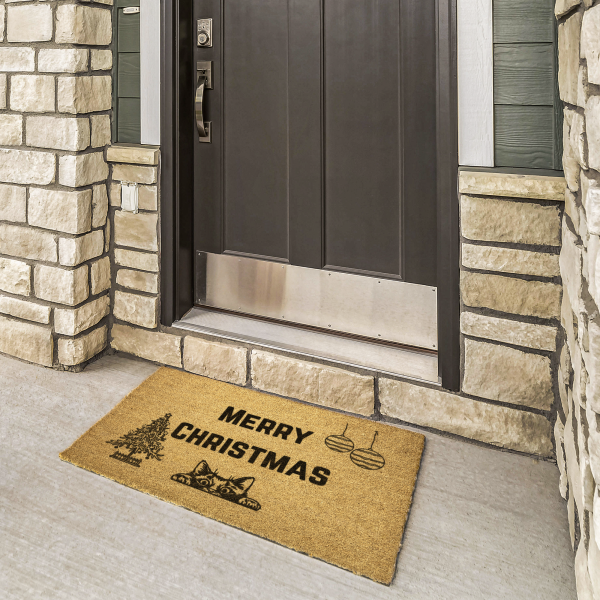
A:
(485, 524)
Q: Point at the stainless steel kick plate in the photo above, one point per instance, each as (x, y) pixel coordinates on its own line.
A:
(371, 307)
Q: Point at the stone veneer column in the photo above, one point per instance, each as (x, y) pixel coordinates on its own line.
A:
(577, 429)
(55, 98)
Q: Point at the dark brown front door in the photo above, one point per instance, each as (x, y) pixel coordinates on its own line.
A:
(323, 136)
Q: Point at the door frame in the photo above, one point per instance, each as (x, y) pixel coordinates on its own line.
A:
(176, 181)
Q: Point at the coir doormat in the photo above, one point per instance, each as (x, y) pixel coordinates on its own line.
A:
(331, 486)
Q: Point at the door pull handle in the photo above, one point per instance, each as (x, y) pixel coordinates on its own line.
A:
(204, 82)
(199, 103)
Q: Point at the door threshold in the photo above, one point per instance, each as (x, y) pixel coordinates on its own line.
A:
(387, 360)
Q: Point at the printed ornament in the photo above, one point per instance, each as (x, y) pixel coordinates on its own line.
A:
(340, 443)
(367, 458)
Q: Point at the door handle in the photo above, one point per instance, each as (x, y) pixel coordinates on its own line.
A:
(204, 70)
(199, 102)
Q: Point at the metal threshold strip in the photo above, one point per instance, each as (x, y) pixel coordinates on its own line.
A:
(385, 359)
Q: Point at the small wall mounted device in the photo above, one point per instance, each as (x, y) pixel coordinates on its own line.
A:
(205, 33)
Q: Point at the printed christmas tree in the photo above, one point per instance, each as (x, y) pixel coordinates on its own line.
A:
(146, 440)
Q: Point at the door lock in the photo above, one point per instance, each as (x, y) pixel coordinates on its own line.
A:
(205, 33)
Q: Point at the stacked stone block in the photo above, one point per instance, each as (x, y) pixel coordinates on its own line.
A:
(55, 101)
(577, 429)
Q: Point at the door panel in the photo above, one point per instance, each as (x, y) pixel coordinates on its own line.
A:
(362, 180)
(256, 127)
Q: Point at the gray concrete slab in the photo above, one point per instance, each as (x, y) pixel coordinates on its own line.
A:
(485, 524)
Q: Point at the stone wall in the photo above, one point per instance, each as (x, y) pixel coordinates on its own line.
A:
(55, 98)
(577, 428)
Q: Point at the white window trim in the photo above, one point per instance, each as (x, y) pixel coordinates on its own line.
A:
(475, 83)
(150, 71)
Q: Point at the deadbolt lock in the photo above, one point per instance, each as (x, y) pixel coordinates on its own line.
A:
(205, 33)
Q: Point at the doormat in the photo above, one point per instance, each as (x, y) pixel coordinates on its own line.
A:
(334, 487)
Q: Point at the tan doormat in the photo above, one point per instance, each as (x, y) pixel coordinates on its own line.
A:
(331, 486)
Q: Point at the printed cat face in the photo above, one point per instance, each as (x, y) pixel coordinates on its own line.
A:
(229, 488)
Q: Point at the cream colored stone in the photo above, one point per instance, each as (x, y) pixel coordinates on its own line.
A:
(136, 231)
(73, 321)
(26, 341)
(583, 91)
(15, 276)
(25, 166)
(101, 131)
(17, 58)
(582, 576)
(99, 206)
(13, 203)
(82, 169)
(60, 285)
(29, 23)
(134, 174)
(138, 280)
(63, 60)
(114, 194)
(507, 375)
(76, 24)
(488, 423)
(594, 561)
(577, 139)
(571, 170)
(571, 263)
(568, 57)
(313, 383)
(11, 130)
(32, 93)
(25, 309)
(74, 251)
(3, 81)
(77, 351)
(538, 337)
(136, 309)
(224, 362)
(162, 348)
(510, 295)
(69, 212)
(100, 276)
(84, 94)
(508, 260)
(534, 187)
(2, 13)
(592, 115)
(25, 242)
(562, 7)
(60, 133)
(148, 197)
(136, 260)
(590, 48)
(559, 434)
(593, 210)
(572, 208)
(101, 60)
(493, 220)
(139, 155)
